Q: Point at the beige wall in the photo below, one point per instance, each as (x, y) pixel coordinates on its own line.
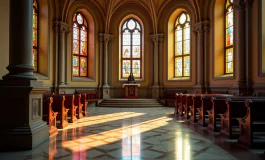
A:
(4, 38)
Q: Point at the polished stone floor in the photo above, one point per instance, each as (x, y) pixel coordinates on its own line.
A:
(135, 134)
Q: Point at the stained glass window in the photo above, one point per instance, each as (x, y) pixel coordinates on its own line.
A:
(79, 46)
(131, 58)
(35, 37)
(229, 37)
(182, 46)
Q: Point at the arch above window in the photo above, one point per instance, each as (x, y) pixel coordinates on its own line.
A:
(131, 48)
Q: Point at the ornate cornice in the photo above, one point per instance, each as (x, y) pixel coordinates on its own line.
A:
(61, 27)
(201, 27)
(157, 38)
(105, 37)
(239, 5)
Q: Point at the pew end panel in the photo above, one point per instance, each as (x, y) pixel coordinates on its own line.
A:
(252, 126)
(49, 115)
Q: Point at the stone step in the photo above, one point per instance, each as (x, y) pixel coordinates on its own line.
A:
(130, 106)
(130, 103)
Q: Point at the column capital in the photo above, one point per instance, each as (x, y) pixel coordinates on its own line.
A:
(201, 27)
(157, 38)
(239, 4)
(105, 37)
(61, 27)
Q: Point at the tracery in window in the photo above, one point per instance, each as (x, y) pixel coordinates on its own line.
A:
(131, 58)
(229, 40)
(80, 46)
(35, 37)
(182, 46)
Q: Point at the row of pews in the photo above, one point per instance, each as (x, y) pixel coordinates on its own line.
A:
(61, 109)
(241, 117)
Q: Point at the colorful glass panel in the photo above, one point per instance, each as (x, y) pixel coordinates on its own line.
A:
(83, 66)
(186, 40)
(229, 27)
(229, 37)
(75, 65)
(187, 66)
(126, 51)
(136, 52)
(229, 60)
(126, 68)
(136, 67)
(80, 49)
(131, 49)
(35, 36)
(34, 59)
(178, 66)
(182, 46)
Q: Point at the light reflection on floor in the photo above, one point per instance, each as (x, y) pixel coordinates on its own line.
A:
(125, 134)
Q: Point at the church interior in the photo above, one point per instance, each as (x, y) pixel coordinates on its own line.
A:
(65, 68)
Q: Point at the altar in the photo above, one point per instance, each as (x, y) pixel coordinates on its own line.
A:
(131, 90)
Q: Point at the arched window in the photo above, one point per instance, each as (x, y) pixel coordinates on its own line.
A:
(35, 37)
(131, 49)
(182, 46)
(79, 46)
(229, 40)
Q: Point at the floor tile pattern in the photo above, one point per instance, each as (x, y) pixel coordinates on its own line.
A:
(130, 134)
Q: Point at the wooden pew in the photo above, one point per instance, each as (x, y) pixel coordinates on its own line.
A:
(187, 105)
(196, 103)
(77, 102)
(202, 111)
(58, 106)
(254, 121)
(235, 109)
(181, 104)
(170, 95)
(178, 99)
(84, 102)
(69, 103)
(206, 104)
(218, 107)
(91, 96)
(49, 115)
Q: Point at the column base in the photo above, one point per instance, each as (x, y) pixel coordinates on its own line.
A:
(20, 72)
(199, 89)
(106, 92)
(240, 88)
(22, 126)
(155, 91)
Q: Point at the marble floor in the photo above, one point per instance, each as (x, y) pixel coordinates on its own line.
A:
(135, 134)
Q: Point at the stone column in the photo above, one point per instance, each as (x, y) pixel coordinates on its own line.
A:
(106, 88)
(206, 29)
(61, 29)
(240, 52)
(248, 10)
(20, 65)
(101, 43)
(21, 126)
(157, 38)
(198, 29)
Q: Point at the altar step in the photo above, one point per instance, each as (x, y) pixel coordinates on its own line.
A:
(130, 103)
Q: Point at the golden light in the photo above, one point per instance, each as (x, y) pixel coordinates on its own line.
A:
(124, 132)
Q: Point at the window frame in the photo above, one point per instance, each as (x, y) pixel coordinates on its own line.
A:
(85, 24)
(182, 41)
(131, 48)
(225, 37)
